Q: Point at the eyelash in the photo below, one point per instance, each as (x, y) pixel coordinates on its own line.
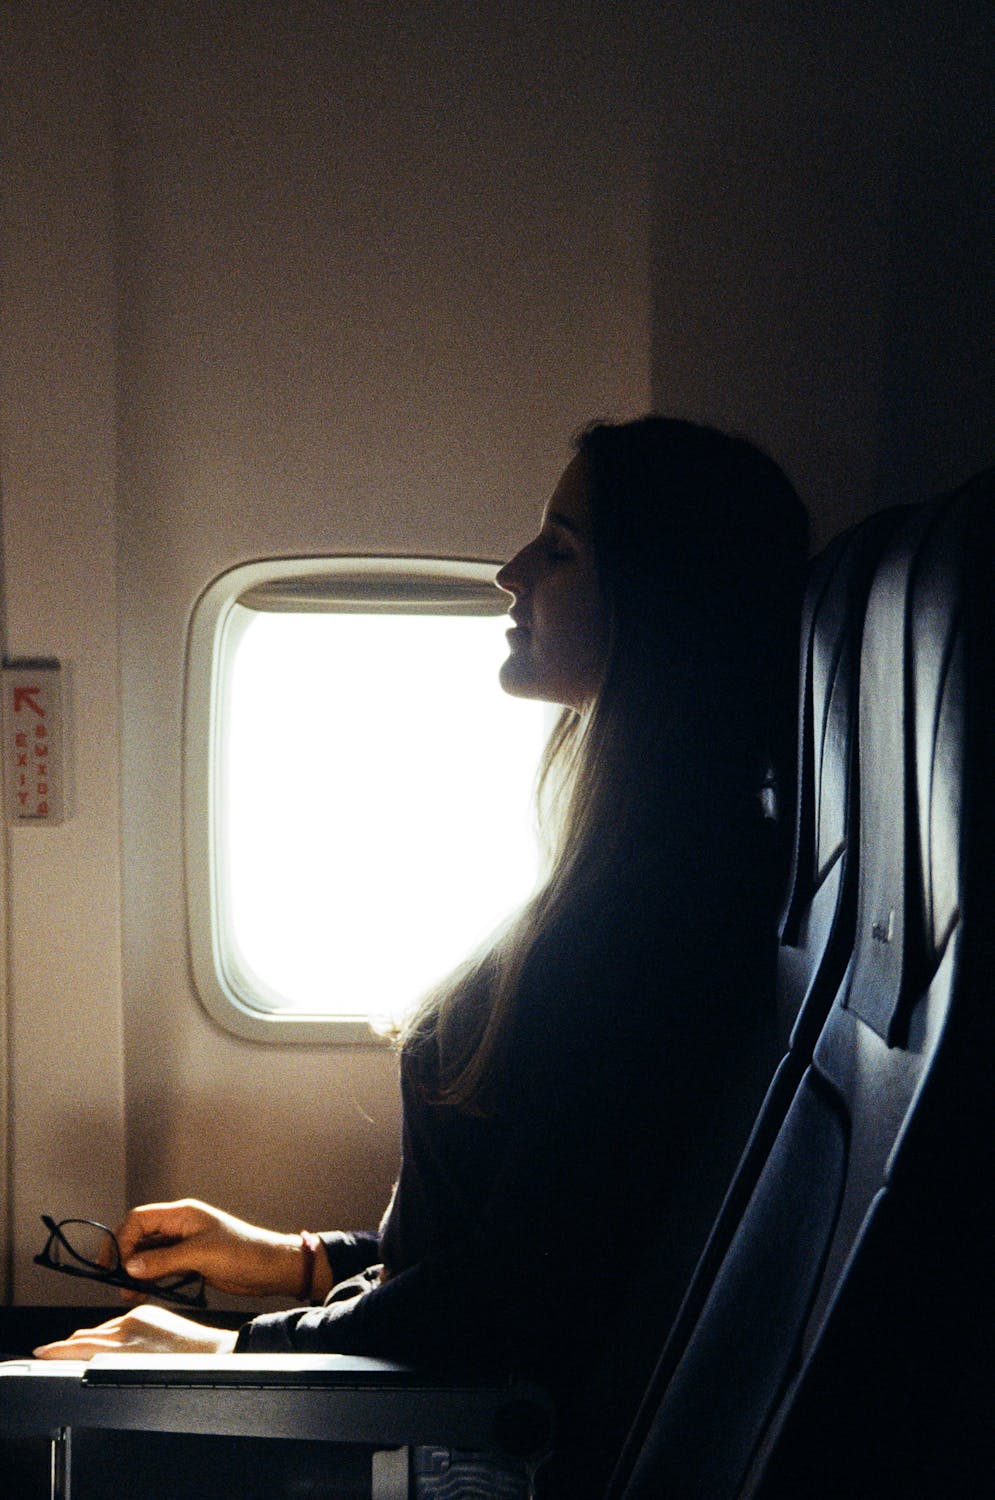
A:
(556, 552)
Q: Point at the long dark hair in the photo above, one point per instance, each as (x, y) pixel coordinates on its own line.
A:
(700, 542)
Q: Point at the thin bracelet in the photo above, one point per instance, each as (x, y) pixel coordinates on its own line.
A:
(310, 1245)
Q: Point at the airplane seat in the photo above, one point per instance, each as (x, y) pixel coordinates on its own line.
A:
(829, 1352)
(816, 929)
(910, 1337)
(817, 924)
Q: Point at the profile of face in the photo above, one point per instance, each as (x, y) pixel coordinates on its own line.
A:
(559, 632)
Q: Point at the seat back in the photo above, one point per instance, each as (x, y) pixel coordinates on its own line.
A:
(888, 1121)
(817, 927)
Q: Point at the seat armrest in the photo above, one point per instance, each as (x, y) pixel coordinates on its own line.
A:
(329, 1398)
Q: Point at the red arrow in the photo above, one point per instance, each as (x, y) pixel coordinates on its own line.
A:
(24, 697)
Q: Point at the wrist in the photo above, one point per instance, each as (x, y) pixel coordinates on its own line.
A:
(281, 1276)
(310, 1245)
(315, 1272)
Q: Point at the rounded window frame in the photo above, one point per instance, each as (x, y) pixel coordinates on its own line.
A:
(345, 583)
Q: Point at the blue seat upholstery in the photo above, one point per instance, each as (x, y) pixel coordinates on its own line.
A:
(818, 920)
(830, 1348)
(817, 928)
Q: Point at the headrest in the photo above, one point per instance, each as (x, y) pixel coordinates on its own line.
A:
(914, 717)
(832, 619)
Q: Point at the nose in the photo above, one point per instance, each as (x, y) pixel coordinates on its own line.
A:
(510, 576)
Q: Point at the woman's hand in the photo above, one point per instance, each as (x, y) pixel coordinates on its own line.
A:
(145, 1330)
(161, 1239)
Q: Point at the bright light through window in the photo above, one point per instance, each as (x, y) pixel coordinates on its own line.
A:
(375, 819)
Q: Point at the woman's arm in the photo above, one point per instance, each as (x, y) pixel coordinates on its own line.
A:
(160, 1239)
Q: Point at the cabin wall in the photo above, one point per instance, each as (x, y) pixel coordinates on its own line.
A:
(66, 1124)
(822, 265)
(367, 277)
(309, 277)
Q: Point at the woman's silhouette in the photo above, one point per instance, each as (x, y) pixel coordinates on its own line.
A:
(577, 1093)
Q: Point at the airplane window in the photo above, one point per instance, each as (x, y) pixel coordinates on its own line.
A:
(359, 802)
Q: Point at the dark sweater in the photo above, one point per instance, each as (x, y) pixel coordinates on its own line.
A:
(527, 1240)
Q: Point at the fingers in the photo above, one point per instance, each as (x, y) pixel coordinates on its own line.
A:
(148, 1330)
(149, 1265)
(82, 1345)
(156, 1222)
(85, 1342)
(163, 1239)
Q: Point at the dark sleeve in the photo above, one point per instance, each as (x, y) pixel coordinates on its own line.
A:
(350, 1252)
(604, 1059)
(471, 1293)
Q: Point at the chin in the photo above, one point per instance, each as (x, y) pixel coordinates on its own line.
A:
(517, 680)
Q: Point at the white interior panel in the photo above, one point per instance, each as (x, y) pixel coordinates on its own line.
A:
(67, 1123)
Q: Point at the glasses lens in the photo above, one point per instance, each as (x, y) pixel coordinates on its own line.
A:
(82, 1243)
(188, 1288)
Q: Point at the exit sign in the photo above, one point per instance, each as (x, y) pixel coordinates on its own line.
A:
(32, 743)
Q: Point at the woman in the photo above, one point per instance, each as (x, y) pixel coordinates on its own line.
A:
(583, 1086)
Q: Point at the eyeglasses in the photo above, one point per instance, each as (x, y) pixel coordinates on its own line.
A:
(82, 1247)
